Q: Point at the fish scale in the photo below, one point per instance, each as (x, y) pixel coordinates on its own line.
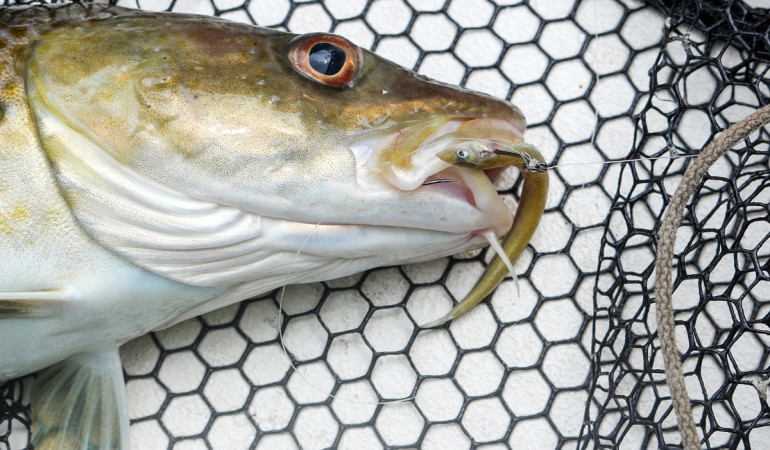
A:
(44, 250)
(137, 193)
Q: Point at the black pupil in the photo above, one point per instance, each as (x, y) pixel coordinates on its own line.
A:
(326, 58)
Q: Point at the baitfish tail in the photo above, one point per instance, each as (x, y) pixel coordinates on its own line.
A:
(525, 222)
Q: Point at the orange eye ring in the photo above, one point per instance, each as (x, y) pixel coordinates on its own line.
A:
(326, 58)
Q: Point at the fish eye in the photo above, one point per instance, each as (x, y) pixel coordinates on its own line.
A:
(462, 153)
(326, 58)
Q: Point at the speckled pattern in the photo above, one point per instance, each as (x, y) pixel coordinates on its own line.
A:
(516, 371)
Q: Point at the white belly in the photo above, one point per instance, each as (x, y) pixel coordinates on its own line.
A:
(77, 295)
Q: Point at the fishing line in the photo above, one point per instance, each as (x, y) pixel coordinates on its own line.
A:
(619, 161)
(511, 150)
(311, 384)
(531, 164)
(280, 321)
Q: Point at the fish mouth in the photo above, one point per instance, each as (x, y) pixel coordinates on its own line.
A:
(404, 158)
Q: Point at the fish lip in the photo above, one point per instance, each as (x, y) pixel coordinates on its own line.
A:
(366, 155)
(472, 186)
(482, 196)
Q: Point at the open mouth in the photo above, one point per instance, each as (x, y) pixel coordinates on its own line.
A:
(458, 158)
(450, 182)
(406, 159)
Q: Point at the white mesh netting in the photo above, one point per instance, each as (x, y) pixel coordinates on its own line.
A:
(572, 361)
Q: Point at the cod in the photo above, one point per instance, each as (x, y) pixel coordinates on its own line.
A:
(154, 167)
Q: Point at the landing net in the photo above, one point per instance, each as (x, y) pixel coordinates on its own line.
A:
(571, 362)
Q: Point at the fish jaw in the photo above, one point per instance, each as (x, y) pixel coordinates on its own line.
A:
(266, 147)
(408, 158)
(201, 243)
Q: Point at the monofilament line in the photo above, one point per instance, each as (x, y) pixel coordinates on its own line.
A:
(618, 161)
(587, 163)
(310, 383)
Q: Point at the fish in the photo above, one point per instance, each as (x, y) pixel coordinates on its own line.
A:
(158, 166)
(480, 154)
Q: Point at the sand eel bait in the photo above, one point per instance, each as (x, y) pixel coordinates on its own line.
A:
(490, 155)
(146, 181)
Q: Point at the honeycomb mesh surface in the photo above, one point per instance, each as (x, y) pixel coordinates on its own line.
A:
(570, 361)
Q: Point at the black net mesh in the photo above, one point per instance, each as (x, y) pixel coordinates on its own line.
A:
(573, 360)
(722, 294)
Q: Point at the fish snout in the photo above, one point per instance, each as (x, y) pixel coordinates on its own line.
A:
(414, 155)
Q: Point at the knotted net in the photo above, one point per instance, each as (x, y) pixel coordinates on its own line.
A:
(573, 361)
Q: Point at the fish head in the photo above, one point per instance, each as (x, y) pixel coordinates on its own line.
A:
(330, 141)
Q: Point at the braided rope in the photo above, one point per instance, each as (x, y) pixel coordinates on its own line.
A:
(667, 239)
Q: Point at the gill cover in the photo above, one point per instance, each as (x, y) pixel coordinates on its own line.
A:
(157, 158)
(195, 151)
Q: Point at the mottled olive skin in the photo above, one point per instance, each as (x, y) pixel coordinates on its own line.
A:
(108, 79)
(154, 167)
(209, 110)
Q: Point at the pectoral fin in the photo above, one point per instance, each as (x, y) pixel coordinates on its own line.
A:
(80, 403)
